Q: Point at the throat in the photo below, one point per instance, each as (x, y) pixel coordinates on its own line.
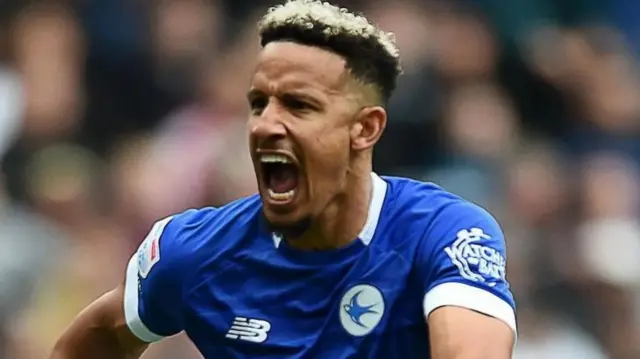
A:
(312, 241)
(338, 226)
(291, 232)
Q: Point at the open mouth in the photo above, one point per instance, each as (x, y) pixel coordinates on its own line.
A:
(280, 176)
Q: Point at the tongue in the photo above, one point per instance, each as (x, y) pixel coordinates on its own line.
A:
(283, 178)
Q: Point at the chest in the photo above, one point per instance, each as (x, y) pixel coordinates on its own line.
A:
(261, 307)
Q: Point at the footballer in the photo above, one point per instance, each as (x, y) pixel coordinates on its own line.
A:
(329, 260)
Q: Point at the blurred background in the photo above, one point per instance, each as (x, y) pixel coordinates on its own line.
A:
(115, 113)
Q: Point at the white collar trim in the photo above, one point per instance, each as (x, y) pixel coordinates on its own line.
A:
(379, 192)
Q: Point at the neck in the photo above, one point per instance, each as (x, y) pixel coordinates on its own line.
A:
(343, 219)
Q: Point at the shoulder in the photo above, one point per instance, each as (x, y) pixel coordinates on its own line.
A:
(430, 224)
(187, 224)
(457, 247)
(177, 239)
(166, 266)
(242, 209)
(427, 209)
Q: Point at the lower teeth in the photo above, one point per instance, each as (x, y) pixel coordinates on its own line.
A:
(282, 196)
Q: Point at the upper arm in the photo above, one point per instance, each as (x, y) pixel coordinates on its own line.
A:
(145, 308)
(101, 326)
(460, 333)
(467, 301)
(155, 284)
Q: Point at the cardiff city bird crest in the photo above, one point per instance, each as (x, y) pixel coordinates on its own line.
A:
(361, 309)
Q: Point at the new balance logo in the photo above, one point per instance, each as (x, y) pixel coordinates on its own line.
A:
(251, 330)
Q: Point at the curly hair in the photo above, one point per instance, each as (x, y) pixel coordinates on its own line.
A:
(371, 54)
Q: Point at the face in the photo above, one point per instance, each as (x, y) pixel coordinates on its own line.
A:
(301, 129)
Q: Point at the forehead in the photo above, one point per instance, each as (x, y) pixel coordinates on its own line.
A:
(283, 66)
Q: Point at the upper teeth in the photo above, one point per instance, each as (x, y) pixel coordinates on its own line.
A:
(274, 159)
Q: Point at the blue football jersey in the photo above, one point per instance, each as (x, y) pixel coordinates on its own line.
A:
(239, 291)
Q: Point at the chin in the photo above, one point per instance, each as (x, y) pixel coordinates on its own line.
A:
(290, 224)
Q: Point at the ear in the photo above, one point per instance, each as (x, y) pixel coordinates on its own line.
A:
(368, 127)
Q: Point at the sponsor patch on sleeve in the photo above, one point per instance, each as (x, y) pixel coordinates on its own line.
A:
(476, 259)
(149, 250)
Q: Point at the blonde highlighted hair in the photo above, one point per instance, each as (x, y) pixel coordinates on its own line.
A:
(371, 54)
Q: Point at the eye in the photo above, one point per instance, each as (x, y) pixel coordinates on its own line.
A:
(295, 104)
(257, 105)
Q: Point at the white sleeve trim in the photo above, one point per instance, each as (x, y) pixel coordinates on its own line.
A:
(131, 313)
(470, 297)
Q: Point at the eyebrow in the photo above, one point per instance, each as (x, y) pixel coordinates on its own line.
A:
(254, 92)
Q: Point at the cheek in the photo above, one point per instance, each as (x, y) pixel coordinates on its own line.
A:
(336, 142)
(324, 139)
(328, 150)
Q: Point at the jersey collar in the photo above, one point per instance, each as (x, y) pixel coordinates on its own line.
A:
(379, 191)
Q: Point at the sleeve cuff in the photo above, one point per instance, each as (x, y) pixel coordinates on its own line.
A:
(131, 304)
(470, 297)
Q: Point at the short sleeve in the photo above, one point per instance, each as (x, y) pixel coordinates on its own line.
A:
(154, 284)
(463, 264)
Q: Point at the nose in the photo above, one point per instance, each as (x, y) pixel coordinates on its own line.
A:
(269, 126)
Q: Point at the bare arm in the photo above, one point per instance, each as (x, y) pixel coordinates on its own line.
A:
(460, 333)
(100, 332)
(144, 309)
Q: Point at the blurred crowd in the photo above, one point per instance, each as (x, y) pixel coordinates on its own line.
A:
(115, 113)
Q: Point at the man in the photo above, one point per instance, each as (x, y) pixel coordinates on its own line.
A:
(329, 260)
